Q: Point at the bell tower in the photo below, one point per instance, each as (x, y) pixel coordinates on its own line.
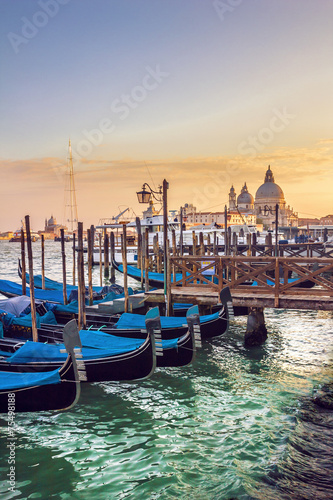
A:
(232, 199)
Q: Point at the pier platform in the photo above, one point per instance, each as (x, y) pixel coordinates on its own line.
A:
(205, 296)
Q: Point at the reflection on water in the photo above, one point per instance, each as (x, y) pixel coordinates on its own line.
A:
(238, 423)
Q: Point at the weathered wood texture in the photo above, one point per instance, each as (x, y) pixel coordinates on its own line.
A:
(204, 277)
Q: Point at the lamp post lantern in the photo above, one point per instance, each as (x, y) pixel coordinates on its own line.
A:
(144, 195)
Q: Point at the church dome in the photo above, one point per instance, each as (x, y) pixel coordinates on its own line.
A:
(245, 198)
(269, 189)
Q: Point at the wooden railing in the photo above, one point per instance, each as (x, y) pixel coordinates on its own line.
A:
(316, 250)
(271, 274)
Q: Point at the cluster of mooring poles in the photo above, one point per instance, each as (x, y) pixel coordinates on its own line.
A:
(78, 268)
(158, 259)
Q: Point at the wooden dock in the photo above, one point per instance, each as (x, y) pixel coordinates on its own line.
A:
(209, 297)
(202, 279)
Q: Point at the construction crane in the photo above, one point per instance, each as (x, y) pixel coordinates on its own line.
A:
(117, 217)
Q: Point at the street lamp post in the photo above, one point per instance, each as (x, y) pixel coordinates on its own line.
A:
(144, 196)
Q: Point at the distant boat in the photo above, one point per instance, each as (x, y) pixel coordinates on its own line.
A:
(16, 238)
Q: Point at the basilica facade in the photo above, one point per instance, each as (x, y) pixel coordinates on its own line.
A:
(263, 206)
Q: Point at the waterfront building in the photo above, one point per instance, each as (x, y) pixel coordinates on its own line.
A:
(268, 195)
(51, 228)
(263, 206)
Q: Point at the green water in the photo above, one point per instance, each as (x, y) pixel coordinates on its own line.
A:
(219, 429)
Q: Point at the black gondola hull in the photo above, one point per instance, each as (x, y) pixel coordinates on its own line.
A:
(48, 397)
(134, 365)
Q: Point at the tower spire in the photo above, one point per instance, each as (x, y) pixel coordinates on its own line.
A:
(269, 177)
(71, 216)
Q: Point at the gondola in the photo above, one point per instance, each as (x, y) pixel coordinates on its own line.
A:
(169, 352)
(131, 325)
(18, 325)
(11, 289)
(176, 351)
(211, 325)
(156, 280)
(131, 359)
(58, 389)
(99, 292)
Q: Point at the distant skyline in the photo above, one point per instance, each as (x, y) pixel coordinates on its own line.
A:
(203, 93)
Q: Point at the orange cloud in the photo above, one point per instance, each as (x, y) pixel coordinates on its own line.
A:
(304, 174)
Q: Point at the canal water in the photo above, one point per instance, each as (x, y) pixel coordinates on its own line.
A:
(238, 423)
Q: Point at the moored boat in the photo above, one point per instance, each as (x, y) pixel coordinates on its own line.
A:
(110, 358)
(58, 389)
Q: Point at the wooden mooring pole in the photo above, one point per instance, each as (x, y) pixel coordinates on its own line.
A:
(256, 331)
(24, 274)
(106, 255)
(112, 257)
(225, 230)
(31, 282)
(169, 306)
(146, 260)
(74, 258)
(43, 262)
(124, 258)
(80, 274)
(100, 261)
(63, 256)
(90, 236)
(139, 246)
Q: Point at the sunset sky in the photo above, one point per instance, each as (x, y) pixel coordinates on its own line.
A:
(203, 93)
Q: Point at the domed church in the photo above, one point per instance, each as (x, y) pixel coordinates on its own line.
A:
(245, 199)
(268, 195)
